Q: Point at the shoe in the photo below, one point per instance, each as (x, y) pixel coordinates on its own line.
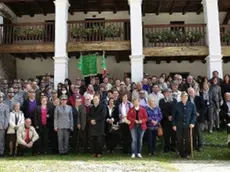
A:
(133, 156)
(139, 155)
(187, 157)
(210, 131)
(99, 156)
(94, 155)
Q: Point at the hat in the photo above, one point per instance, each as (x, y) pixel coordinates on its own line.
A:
(54, 91)
(63, 97)
(174, 82)
(184, 94)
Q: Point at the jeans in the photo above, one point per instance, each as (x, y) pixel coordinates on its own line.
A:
(152, 137)
(137, 136)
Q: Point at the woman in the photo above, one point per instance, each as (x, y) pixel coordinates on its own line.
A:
(154, 119)
(138, 118)
(59, 89)
(225, 86)
(16, 120)
(41, 124)
(68, 84)
(111, 126)
(124, 123)
(64, 91)
(90, 92)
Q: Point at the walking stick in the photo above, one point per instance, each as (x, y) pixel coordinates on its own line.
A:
(191, 142)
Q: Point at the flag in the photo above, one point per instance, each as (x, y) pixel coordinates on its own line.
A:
(103, 65)
(88, 65)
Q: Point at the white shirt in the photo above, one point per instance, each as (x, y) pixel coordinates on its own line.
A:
(123, 111)
(177, 95)
(157, 97)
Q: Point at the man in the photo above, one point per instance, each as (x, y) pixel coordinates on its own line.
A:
(176, 94)
(4, 120)
(199, 104)
(79, 117)
(217, 101)
(146, 86)
(10, 100)
(35, 87)
(142, 99)
(215, 74)
(18, 94)
(166, 104)
(48, 80)
(135, 93)
(156, 94)
(63, 123)
(190, 82)
(27, 138)
(29, 105)
(54, 96)
(82, 88)
(128, 83)
(96, 87)
(76, 93)
(97, 116)
(108, 86)
(4, 88)
(183, 120)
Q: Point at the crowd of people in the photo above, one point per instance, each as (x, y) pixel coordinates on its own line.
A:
(108, 112)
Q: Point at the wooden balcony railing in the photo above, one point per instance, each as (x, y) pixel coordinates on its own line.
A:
(27, 33)
(174, 35)
(99, 30)
(225, 35)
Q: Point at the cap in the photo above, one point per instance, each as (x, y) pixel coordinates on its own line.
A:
(184, 94)
(63, 97)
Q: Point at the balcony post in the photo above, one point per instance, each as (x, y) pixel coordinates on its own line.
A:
(61, 38)
(211, 15)
(136, 57)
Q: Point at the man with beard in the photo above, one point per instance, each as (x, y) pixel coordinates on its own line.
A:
(166, 104)
(183, 120)
(4, 120)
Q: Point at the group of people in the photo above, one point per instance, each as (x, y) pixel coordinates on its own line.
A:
(107, 112)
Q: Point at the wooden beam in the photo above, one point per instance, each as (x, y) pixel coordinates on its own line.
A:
(179, 60)
(227, 18)
(168, 60)
(199, 9)
(114, 7)
(40, 7)
(99, 6)
(185, 7)
(191, 60)
(117, 58)
(177, 51)
(13, 1)
(172, 7)
(159, 7)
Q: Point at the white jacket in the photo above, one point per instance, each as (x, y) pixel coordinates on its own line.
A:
(12, 121)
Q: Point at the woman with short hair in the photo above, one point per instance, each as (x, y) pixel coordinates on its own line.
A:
(16, 120)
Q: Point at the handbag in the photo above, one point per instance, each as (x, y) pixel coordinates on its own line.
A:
(160, 130)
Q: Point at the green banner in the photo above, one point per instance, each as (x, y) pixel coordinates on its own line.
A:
(88, 65)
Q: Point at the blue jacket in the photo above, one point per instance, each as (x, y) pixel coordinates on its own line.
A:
(153, 114)
(183, 116)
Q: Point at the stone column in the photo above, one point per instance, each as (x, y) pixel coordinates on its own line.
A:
(137, 68)
(61, 39)
(211, 15)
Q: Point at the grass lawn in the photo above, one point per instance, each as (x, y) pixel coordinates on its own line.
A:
(116, 162)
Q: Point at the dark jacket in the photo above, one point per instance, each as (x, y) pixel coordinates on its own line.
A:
(25, 109)
(114, 116)
(216, 95)
(79, 117)
(98, 114)
(199, 103)
(183, 116)
(166, 109)
(224, 112)
(38, 118)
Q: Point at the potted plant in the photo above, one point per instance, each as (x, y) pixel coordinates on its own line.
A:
(112, 31)
(194, 36)
(226, 36)
(80, 32)
(28, 32)
(154, 37)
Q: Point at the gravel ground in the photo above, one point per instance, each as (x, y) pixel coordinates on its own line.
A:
(113, 166)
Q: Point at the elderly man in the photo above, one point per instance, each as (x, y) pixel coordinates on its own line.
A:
(215, 74)
(199, 104)
(63, 123)
(176, 94)
(4, 120)
(135, 93)
(190, 82)
(183, 120)
(156, 94)
(27, 138)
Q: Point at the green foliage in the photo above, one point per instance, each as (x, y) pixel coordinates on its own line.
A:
(108, 31)
(28, 31)
(226, 36)
(178, 36)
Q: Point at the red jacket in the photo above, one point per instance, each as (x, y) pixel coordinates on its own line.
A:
(72, 99)
(142, 114)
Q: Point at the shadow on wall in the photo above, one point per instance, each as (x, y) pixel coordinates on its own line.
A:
(7, 66)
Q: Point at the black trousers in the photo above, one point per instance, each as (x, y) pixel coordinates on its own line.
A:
(126, 137)
(84, 139)
(197, 136)
(22, 148)
(112, 140)
(43, 138)
(169, 137)
(96, 144)
(183, 141)
(75, 140)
